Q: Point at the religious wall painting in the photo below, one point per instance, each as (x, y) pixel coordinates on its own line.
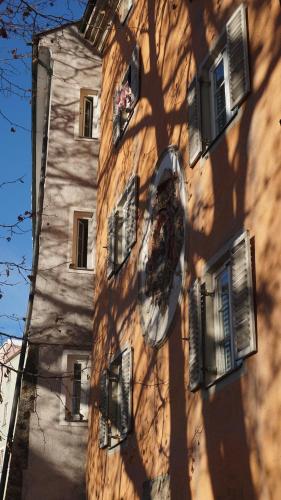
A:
(161, 262)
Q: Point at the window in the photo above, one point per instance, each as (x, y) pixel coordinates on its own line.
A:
(89, 114)
(219, 88)
(76, 385)
(221, 315)
(126, 97)
(116, 400)
(121, 229)
(83, 240)
(124, 9)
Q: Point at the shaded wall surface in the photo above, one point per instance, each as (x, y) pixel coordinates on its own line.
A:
(49, 451)
(220, 443)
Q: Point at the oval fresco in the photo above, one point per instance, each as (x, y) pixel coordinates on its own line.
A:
(161, 259)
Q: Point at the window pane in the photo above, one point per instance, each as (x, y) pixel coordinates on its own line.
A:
(88, 116)
(76, 394)
(224, 344)
(82, 243)
(219, 97)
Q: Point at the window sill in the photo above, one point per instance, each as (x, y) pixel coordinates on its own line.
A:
(79, 270)
(73, 423)
(226, 379)
(214, 143)
(86, 139)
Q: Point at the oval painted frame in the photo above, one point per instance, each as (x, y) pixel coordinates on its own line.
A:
(157, 313)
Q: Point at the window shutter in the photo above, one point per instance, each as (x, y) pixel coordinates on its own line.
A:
(205, 99)
(237, 52)
(96, 116)
(242, 297)
(103, 424)
(91, 243)
(125, 7)
(195, 337)
(130, 213)
(111, 245)
(116, 119)
(194, 122)
(135, 74)
(126, 392)
(85, 386)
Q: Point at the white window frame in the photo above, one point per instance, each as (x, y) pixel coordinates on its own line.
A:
(202, 128)
(69, 358)
(206, 366)
(229, 113)
(95, 120)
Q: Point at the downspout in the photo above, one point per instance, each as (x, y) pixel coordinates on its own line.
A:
(35, 256)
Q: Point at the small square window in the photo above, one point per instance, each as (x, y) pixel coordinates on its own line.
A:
(89, 114)
(76, 385)
(83, 240)
(115, 400)
(221, 315)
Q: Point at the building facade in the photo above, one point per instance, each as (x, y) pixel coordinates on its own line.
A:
(48, 459)
(186, 382)
(9, 356)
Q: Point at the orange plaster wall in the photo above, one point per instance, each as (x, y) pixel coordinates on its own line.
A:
(224, 444)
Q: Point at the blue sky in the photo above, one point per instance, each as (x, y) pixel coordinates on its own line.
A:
(15, 162)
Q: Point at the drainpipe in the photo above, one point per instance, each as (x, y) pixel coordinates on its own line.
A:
(35, 257)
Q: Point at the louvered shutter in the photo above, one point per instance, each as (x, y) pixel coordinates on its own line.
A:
(130, 212)
(135, 74)
(237, 52)
(85, 387)
(126, 392)
(194, 122)
(103, 423)
(111, 245)
(116, 118)
(242, 297)
(195, 337)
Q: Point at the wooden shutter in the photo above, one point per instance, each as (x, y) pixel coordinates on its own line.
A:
(126, 392)
(130, 213)
(205, 100)
(125, 7)
(116, 119)
(103, 423)
(85, 386)
(237, 52)
(194, 122)
(111, 245)
(195, 337)
(135, 74)
(242, 298)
